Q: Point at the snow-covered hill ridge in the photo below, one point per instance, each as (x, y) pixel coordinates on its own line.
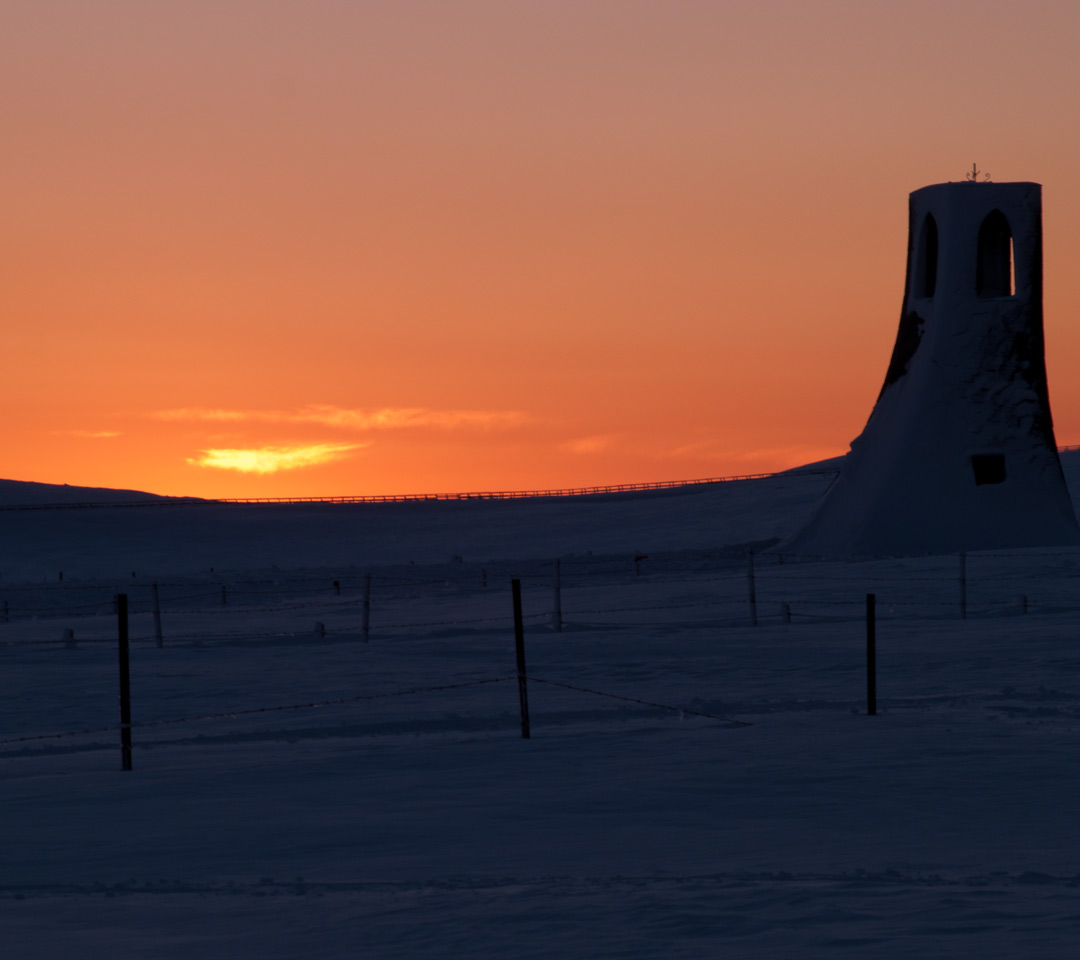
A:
(16, 494)
(184, 539)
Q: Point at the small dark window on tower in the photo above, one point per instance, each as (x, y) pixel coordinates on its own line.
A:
(926, 275)
(988, 468)
(994, 267)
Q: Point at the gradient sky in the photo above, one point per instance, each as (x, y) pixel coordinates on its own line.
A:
(267, 248)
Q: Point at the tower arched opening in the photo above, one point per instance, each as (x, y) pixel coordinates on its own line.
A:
(994, 266)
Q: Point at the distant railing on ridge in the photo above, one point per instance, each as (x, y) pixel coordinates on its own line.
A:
(530, 494)
(422, 497)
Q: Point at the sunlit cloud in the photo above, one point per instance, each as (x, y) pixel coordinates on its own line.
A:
(91, 434)
(399, 417)
(273, 459)
(387, 418)
(595, 444)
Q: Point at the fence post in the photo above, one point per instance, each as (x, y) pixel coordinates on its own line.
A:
(367, 608)
(963, 586)
(752, 587)
(871, 655)
(519, 645)
(556, 617)
(125, 682)
(157, 615)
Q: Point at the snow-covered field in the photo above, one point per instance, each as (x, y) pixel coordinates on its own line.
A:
(423, 825)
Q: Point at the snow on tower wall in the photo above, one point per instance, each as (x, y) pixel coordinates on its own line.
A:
(959, 450)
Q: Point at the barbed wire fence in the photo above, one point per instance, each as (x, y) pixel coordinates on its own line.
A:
(780, 587)
(570, 595)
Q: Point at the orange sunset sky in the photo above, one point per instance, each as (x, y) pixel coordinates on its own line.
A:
(268, 248)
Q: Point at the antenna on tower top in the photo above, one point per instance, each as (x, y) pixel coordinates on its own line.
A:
(972, 176)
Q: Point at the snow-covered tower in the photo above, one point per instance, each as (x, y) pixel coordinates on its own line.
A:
(959, 451)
